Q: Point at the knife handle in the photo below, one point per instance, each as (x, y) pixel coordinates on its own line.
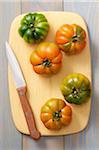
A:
(34, 133)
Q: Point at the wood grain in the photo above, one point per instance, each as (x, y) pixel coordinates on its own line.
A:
(48, 143)
(88, 139)
(28, 113)
(37, 85)
(10, 139)
(41, 5)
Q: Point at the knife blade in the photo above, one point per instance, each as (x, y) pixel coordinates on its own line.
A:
(16, 71)
(21, 89)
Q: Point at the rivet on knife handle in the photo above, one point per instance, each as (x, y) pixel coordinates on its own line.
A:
(34, 133)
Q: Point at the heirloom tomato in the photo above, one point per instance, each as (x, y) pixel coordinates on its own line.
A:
(55, 114)
(76, 88)
(46, 59)
(71, 38)
(34, 27)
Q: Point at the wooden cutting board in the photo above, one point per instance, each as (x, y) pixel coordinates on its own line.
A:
(41, 88)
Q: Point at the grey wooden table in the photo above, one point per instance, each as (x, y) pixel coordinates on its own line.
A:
(10, 138)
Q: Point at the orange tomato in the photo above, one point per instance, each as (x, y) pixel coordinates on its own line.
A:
(55, 114)
(71, 38)
(46, 59)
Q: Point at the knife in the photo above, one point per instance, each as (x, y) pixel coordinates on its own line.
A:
(21, 89)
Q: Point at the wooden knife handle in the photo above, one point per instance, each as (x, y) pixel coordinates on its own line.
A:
(34, 133)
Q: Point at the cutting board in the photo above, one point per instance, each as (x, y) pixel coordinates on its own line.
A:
(41, 88)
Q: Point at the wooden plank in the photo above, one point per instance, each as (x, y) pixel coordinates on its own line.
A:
(10, 139)
(88, 139)
(45, 143)
(42, 5)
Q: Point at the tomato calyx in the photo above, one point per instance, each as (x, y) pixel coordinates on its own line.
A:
(47, 63)
(75, 91)
(57, 115)
(31, 24)
(75, 38)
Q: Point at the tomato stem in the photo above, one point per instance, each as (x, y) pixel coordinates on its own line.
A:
(75, 38)
(57, 115)
(47, 63)
(75, 91)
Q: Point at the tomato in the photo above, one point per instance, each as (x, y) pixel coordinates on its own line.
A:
(34, 27)
(71, 38)
(55, 114)
(46, 59)
(76, 88)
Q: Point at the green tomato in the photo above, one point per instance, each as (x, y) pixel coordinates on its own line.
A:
(34, 27)
(76, 88)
